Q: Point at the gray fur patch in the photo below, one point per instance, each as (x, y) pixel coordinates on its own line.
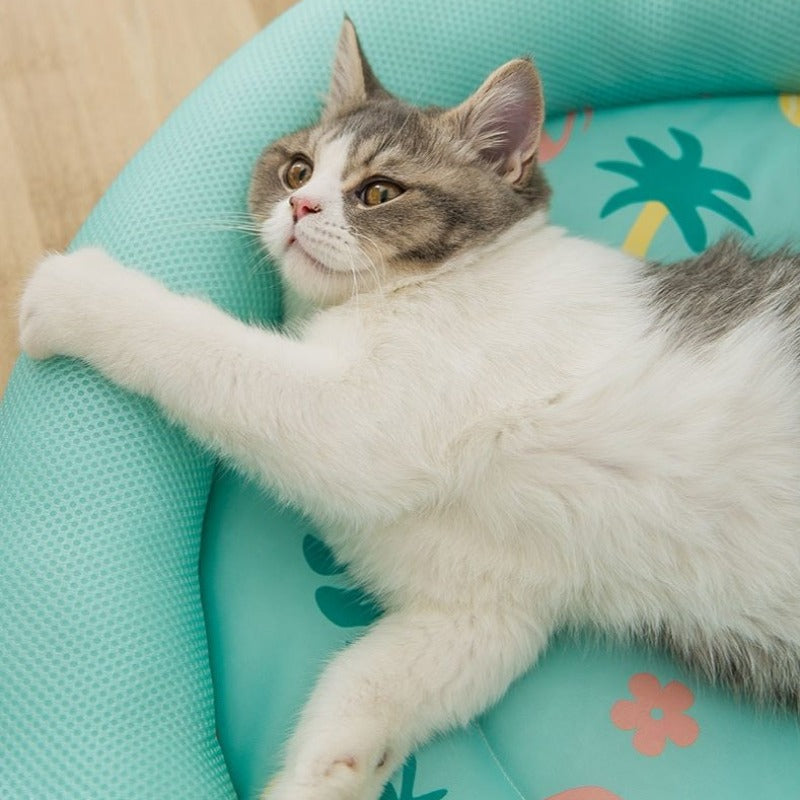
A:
(452, 200)
(703, 298)
(266, 186)
(767, 670)
(451, 203)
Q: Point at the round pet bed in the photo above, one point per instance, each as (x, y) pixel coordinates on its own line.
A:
(669, 125)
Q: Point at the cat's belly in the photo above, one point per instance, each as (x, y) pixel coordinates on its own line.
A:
(590, 536)
(446, 561)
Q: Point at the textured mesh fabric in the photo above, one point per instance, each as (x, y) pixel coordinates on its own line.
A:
(105, 690)
(103, 666)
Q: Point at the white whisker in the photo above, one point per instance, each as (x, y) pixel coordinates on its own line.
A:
(369, 263)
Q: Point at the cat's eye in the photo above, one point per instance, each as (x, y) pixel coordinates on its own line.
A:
(376, 192)
(298, 172)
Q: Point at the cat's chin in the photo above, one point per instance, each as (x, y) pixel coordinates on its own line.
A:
(313, 280)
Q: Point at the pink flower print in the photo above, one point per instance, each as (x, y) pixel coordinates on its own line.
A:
(585, 793)
(657, 714)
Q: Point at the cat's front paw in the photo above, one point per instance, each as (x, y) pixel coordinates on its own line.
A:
(58, 300)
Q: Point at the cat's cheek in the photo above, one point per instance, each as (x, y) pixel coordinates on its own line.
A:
(276, 231)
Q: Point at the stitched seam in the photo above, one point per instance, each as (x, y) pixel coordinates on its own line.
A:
(496, 760)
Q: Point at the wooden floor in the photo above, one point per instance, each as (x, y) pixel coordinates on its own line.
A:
(83, 84)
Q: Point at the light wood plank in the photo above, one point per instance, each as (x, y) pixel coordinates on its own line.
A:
(83, 84)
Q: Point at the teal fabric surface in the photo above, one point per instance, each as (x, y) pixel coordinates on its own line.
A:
(105, 686)
(554, 733)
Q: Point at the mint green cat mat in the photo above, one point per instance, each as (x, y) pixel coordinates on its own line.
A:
(667, 128)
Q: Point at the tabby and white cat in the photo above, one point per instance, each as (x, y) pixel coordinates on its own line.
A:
(502, 429)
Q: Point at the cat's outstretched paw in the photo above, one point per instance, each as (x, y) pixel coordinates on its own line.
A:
(55, 309)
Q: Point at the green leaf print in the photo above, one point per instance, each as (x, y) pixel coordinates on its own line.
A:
(344, 606)
(407, 786)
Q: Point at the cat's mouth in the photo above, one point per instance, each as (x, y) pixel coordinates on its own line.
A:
(293, 245)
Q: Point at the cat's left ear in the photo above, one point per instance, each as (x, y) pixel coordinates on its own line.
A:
(352, 80)
(502, 122)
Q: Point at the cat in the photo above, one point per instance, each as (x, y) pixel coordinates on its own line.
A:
(501, 429)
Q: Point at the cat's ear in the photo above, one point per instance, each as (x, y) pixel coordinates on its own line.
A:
(502, 121)
(352, 80)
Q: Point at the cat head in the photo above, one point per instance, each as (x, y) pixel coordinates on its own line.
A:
(379, 190)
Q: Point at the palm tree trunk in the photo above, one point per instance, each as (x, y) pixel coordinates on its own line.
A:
(790, 105)
(644, 228)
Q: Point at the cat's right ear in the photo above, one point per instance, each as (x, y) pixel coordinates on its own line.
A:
(352, 81)
(502, 121)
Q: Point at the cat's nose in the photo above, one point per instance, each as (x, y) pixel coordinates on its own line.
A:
(302, 206)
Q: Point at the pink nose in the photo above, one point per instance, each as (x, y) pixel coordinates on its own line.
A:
(302, 206)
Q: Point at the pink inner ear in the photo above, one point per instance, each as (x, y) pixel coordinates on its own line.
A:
(507, 124)
(521, 122)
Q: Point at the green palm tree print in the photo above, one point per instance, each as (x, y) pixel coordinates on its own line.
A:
(676, 186)
(407, 786)
(345, 607)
